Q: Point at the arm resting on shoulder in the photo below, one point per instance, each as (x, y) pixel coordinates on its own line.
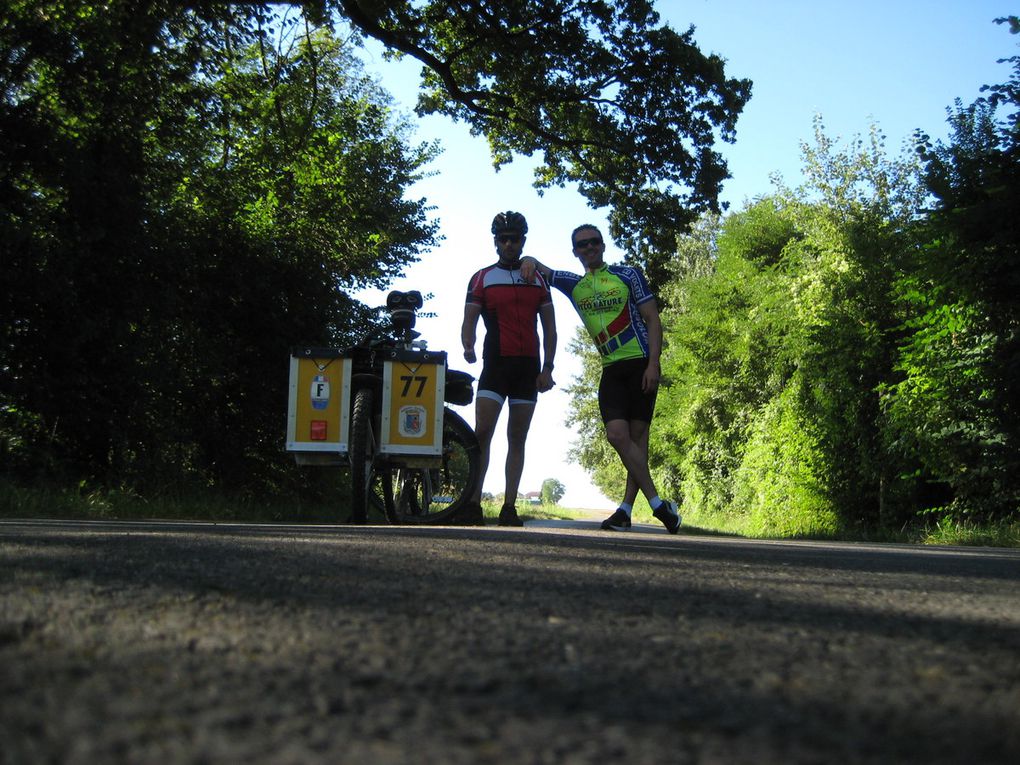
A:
(530, 265)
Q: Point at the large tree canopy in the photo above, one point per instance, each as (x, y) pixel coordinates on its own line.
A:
(184, 193)
(625, 107)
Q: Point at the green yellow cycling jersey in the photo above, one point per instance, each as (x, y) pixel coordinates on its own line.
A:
(607, 301)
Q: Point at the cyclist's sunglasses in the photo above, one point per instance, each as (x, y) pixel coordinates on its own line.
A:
(594, 241)
(509, 238)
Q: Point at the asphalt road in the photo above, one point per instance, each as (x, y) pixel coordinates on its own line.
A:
(555, 643)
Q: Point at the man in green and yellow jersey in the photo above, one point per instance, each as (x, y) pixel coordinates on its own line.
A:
(621, 316)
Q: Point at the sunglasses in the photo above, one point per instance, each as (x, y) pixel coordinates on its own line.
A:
(508, 238)
(594, 241)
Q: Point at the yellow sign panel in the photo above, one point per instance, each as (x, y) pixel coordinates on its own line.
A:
(412, 412)
(320, 396)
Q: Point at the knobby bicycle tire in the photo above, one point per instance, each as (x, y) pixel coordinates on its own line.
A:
(362, 454)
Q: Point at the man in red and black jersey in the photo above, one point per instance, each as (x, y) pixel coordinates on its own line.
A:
(511, 366)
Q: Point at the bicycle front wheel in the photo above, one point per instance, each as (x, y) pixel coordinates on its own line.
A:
(362, 453)
(433, 495)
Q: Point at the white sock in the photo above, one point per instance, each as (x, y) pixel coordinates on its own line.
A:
(626, 507)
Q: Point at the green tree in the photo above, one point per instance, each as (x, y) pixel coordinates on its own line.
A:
(862, 230)
(694, 258)
(731, 347)
(771, 422)
(955, 406)
(613, 101)
(188, 192)
(552, 491)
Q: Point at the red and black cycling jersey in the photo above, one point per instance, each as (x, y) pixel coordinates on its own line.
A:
(510, 309)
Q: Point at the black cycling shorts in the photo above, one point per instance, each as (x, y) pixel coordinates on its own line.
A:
(513, 377)
(620, 394)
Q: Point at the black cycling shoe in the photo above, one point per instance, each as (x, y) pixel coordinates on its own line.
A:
(618, 521)
(508, 516)
(667, 513)
(469, 515)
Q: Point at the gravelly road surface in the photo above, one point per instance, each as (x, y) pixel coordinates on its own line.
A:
(555, 643)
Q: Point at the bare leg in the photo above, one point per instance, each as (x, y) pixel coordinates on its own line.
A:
(486, 415)
(517, 435)
(633, 455)
(639, 435)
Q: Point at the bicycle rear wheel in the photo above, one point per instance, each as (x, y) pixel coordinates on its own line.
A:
(432, 495)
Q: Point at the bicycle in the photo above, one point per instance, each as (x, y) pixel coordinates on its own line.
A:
(409, 454)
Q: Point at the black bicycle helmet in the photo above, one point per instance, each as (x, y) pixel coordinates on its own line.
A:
(509, 221)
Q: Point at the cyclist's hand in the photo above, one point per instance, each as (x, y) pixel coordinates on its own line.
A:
(469, 355)
(545, 381)
(650, 379)
(528, 268)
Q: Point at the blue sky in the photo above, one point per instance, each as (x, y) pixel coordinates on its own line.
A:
(898, 64)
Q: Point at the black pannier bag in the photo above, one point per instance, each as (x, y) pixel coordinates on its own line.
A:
(458, 387)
